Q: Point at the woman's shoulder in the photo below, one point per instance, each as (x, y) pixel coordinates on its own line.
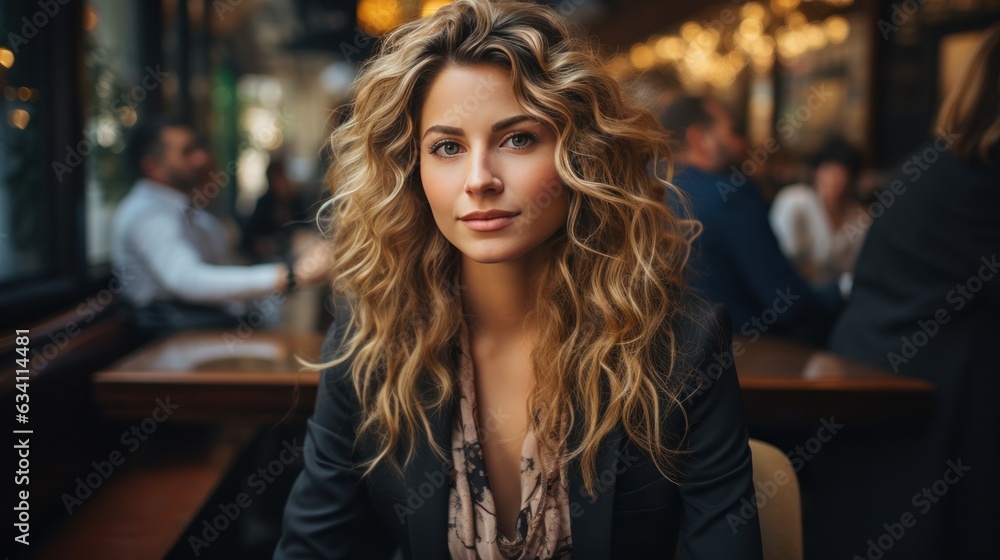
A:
(698, 325)
(701, 352)
(335, 379)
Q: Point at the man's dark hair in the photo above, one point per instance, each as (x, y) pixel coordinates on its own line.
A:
(683, 113)
(146, 137)
(274, 168)
(837, 150)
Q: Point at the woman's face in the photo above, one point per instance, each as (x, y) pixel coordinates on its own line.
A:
(487, 168)
(833, 183)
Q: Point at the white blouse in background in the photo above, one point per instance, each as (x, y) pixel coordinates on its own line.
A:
(809, 240)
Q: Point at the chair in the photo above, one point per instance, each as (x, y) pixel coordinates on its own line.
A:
(780, 508)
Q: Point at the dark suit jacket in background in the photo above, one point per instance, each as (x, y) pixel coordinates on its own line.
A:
(334, 513)
(736, 261)
(936, 227)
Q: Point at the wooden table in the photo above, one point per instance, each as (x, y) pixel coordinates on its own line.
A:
(786, 385)
(213, 378)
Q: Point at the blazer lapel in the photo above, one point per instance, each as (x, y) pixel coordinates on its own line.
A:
(427, 479)
(591, 518)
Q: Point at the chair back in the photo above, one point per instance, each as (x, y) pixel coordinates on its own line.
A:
(779, 503)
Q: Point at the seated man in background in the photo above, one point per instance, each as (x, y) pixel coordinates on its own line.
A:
(820, 226)
(179, 271)
(736, 259)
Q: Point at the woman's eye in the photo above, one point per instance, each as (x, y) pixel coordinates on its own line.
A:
(446, 149)
(520, 140)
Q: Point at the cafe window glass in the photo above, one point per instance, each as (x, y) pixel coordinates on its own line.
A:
(118, 86)
(25, 239)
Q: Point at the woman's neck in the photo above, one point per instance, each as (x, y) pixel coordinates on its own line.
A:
(836, 209)
(498, 298)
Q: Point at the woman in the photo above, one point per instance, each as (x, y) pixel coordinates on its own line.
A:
(925, 304)
(518, 310)
(820, 227)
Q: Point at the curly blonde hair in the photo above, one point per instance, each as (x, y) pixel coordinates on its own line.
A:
(607, 294)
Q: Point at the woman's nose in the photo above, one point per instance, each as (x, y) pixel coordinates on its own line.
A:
(481, 178)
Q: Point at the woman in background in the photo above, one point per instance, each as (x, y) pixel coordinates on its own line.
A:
(819, 227)
(926, 303)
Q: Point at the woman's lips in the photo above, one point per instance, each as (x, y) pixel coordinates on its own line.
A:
(489, 224)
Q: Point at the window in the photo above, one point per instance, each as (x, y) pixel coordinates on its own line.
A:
(26, 244)
(118, 86)
(42, 160)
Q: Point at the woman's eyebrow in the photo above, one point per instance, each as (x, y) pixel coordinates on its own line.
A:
(511, 121)
(448, 130)
(498, 126)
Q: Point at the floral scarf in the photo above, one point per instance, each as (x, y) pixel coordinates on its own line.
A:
(543, 523)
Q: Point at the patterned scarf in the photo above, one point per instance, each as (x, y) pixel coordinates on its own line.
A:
(543, 523)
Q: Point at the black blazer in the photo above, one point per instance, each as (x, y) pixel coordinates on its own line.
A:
(333, 513)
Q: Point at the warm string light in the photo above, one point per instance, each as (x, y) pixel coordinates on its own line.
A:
(90, 18)
(715, 55)
(432, 6)
(18, 118)
(378, 17)
(6, 58)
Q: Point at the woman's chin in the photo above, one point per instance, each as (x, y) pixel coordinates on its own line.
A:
(489, 258)
(492, 255)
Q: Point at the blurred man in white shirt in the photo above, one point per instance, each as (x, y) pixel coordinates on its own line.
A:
(180, 272)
